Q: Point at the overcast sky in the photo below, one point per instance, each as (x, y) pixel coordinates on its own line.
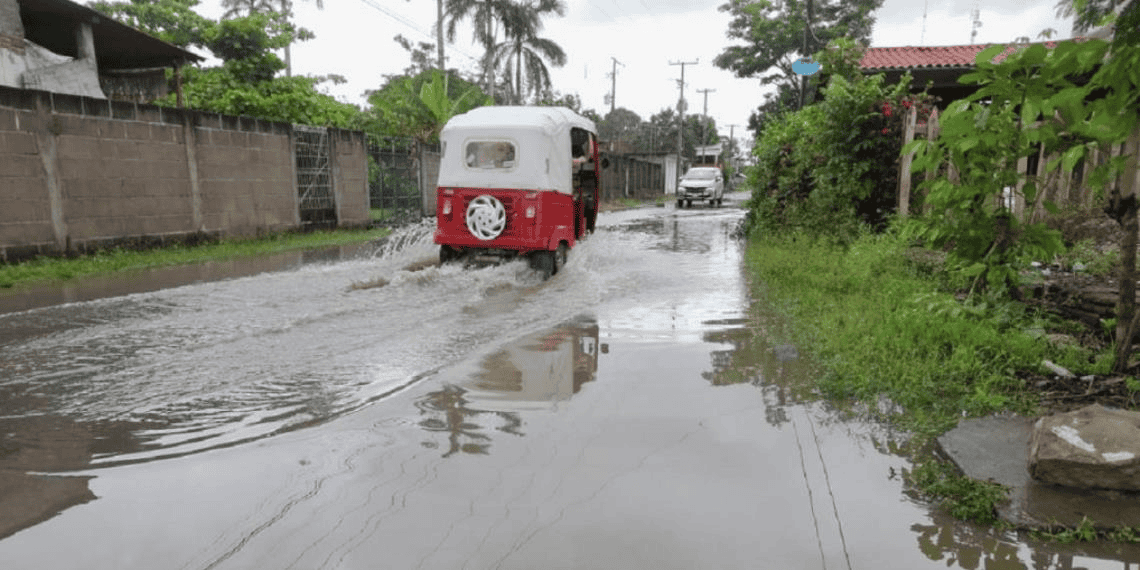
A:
(354, 39)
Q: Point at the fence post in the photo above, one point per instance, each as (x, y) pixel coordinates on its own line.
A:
(904, 164)
(932, 131)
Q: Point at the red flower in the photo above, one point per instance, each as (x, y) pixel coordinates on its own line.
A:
(887, 109)
(885, 131)
(906, 104)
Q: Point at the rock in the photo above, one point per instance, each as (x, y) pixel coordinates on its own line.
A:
(1090, 448)
(1058, 370)
(1060, 339)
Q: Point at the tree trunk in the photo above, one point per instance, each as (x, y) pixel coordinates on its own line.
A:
(1123, 202)
(439, 31)
(518, 76)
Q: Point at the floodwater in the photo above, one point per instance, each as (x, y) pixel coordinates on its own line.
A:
(632, 412)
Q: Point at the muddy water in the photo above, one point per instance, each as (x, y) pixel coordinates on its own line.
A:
(632, 412)
(99, 287)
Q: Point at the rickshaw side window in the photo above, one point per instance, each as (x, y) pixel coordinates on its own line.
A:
(490, 154)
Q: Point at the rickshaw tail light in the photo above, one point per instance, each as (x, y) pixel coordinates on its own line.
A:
(448, 191)
(530, 211)
(531, 196)
(447, 207)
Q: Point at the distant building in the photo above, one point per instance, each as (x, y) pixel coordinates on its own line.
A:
(64, 47)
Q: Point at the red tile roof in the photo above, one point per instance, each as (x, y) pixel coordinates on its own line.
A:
(931, 57)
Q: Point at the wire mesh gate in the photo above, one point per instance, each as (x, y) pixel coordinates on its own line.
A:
(317, 203)
(394, 180)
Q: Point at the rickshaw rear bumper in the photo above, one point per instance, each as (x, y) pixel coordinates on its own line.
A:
(501, 246)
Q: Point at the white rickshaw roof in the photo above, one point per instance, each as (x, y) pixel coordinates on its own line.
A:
(538, 133)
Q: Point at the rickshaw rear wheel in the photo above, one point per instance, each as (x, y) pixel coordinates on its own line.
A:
(680, 203)
(448, 254)
(549, 263)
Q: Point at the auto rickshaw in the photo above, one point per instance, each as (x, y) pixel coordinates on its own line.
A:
(516, 181)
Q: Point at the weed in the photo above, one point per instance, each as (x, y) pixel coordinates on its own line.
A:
(1083, 532)
(964, 498)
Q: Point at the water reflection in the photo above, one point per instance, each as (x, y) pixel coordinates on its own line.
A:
(32, 449)
(670, 235)
(755, 358)
(531, 373)
(23, 298)
(961, 545)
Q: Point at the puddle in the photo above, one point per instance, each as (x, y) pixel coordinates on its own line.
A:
(23, 298)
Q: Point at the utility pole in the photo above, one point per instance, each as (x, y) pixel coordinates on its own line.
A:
(681, 115)
(613, 84)
(731, 152)
(705, 115)
(804, 79)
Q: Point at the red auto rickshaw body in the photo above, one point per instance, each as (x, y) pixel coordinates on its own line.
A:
(516, 180)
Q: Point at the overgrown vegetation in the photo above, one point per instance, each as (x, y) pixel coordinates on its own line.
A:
(46, 269)
(962, 497)
(950, 338)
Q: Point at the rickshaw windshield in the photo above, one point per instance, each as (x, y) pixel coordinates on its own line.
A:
(490, 155)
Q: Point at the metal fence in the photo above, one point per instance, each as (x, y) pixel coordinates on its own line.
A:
(314, 176)
(394, 180)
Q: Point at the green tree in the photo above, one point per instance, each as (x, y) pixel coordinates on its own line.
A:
(773, 35)
(173, 21)
(619, 124)
(524, 52)
(1031, 100)
(484, 15)
(419, 106)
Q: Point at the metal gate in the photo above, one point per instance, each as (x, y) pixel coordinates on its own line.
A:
(394, 180)
(317, 203)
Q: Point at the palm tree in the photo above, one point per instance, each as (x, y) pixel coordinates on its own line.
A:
(523, 51)
(484, 15)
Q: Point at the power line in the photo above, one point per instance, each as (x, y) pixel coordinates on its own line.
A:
(414, 26)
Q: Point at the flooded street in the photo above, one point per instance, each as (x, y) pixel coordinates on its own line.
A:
(632, 412)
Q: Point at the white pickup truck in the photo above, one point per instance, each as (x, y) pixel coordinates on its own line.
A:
(701, 183)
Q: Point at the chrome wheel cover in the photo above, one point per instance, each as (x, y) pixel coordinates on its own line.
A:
(486, 217)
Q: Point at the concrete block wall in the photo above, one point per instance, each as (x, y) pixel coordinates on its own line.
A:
(350, 149)
(78, 173)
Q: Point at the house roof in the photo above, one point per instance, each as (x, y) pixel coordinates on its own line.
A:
(51, 24)
(930, 57)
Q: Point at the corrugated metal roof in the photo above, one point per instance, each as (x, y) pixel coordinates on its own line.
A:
(51, 24)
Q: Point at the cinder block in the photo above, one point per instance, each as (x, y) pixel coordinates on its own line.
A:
(149, 114)
(7, 119)
(112, 129)
(137, 131)
(32, 189)
(73, 167)
(21, 166)
(18, 234)
(74, 146)
(13, 142)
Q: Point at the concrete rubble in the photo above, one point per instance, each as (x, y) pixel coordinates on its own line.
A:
(997, 449)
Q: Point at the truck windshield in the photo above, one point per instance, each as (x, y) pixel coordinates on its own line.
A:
(702, 174)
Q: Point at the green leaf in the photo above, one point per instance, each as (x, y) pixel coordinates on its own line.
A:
(1034, 55)
(1051, 207)
(966, 144)
(1074, 154)
(988, 54)
(1030, 110)
(974, 270)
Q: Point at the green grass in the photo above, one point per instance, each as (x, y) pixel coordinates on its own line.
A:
(48, 269)
(881, 327)
(879, 321)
